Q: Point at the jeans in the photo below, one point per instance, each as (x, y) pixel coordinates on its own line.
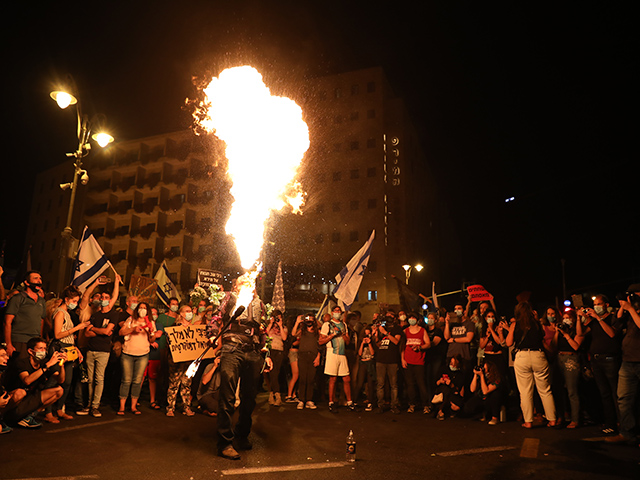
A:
(414, 376)
(132, 374)
(68, 372)
(628, 383)
(605, 372)
(387, 370)
(96, 366)
(236, 366)
(366, 371)
(569, 366)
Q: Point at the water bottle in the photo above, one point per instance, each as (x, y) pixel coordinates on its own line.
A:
(351, 447)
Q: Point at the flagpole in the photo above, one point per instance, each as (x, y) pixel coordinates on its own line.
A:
(441, 294)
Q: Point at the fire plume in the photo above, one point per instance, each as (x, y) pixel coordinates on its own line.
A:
(265, 140)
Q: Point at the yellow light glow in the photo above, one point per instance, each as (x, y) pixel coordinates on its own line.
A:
(265, 138)
(419, 268)
(63, 99)
(102, 138)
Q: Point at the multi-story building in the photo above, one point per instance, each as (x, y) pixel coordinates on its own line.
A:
(167, 198)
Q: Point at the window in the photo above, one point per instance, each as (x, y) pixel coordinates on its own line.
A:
(372, 203)
(371, 87)
(354, 116)
(336, 207)
(372, 266)
(355, 145)
(335, 237)
(319, 238)
(353, 174)
(354, 205)
(371, 143)
(355, 89)
(337, 176)
(371, 172)
(353, 236)
(372, 295)
(371, 113)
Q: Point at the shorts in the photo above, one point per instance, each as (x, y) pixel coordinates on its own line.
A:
(293, 355)
(152, 370)
(336, 365)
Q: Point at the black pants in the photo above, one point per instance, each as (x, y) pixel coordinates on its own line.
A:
(237, 365)
(490, 404)
(306, 375)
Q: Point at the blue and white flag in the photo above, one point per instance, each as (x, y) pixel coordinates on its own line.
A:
(90, 261)
(350, 277)
(166, 289)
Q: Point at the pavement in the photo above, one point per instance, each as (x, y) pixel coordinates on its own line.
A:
(309, 444)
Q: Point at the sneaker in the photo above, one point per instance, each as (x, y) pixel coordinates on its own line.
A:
(229, 453)
(293, 399)
(426, 410)
(351, 406)
(493, 421)
(83, 411)
(395, 410)
(333, 408)
(95, 413)
(188, 412)
(5, 428)
(440, 415)
(29, 422)
(300, 405)
(310, 405)
(368, 408)
(170, 413)
(411, 409)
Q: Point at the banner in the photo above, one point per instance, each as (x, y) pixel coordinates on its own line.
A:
(187, 343)
(89, 263)
(477, 293)
(208, 277)
(350, 277)
(144, 288)
(166, 289)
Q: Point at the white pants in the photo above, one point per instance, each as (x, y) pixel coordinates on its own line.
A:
(532, 367)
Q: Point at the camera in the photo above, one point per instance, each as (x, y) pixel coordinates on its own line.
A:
(564, 327)
(477, 368)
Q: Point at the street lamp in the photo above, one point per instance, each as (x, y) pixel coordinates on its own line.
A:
(84, 125)
(408, 268)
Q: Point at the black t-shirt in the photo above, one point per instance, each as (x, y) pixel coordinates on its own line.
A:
(101, 342)
(631, 341)
(601, 342)
(531, 339)
(436, 351)
(387, 351)
(47, 380)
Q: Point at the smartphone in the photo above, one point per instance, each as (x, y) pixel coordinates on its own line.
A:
(577, 301)
(103, 280)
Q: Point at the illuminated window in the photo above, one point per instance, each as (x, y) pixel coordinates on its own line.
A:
(372, 295)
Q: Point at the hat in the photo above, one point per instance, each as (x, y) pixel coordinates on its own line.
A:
(634, 288)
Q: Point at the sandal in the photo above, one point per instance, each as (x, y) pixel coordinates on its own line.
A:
(527, 425)
(170, 413)
(136, 412)
(555, 423)
(120, 412)
(188, 412)
(155, 406)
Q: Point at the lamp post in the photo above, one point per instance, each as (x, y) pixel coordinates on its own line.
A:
(408, 268)
(84, 125)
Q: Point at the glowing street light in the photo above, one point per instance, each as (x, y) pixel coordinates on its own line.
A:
(408, 268)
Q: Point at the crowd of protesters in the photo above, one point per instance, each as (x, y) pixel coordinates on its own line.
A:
(561, 368)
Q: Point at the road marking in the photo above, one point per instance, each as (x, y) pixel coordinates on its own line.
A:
(530, 448)
(86, 425)
(284, 468)
(76, 477)
(471, 451)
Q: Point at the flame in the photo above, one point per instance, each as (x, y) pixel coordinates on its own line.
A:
(245, 286)
(265, 138)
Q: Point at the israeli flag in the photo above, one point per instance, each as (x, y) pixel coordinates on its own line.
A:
(350, 277)
(90, 261)
(166, 289)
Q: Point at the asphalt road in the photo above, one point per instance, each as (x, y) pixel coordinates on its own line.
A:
(289, 443)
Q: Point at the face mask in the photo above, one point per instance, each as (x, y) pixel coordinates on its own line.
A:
(39, 356)
(142, 312)
(402, 317)
(96, 302)
(490, 320)
(35, 286)
(134, 306)
(72, 306)
(551, 318)
(188, 316)
(458, 312)
(431, 321)
(174, 308)
(453, 368)
(155, 317)
(567, 321)
(412, 321)
(336, 315)
(201, 309)
(105, 303)
(599, 309)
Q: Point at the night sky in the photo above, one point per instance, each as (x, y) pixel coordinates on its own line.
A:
(532, 102)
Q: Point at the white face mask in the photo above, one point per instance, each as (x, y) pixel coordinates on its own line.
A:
(134, 306)
(567, 321)
(402, 317)
(72, 306)
(174, 308)
(413, 321)
(458, 312)
(599, 309)
(336, 315)
(490, 319)
(142, 312)
(155, 317)
(188, 316)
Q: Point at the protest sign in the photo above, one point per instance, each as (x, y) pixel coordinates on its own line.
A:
(477, 293)
(144, 288)
(187, 343)
(209, 277)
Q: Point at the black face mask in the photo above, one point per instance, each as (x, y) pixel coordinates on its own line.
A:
(35, 286)
(2, 368)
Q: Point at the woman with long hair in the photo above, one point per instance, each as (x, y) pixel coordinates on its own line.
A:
(530, 363)
(308, 359)
(139, 331)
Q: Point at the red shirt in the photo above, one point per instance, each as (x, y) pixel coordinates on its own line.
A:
(414, 340)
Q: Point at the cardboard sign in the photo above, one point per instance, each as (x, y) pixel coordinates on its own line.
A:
(209, 277)
(187, 343)
(477, 293)
(144, 288)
